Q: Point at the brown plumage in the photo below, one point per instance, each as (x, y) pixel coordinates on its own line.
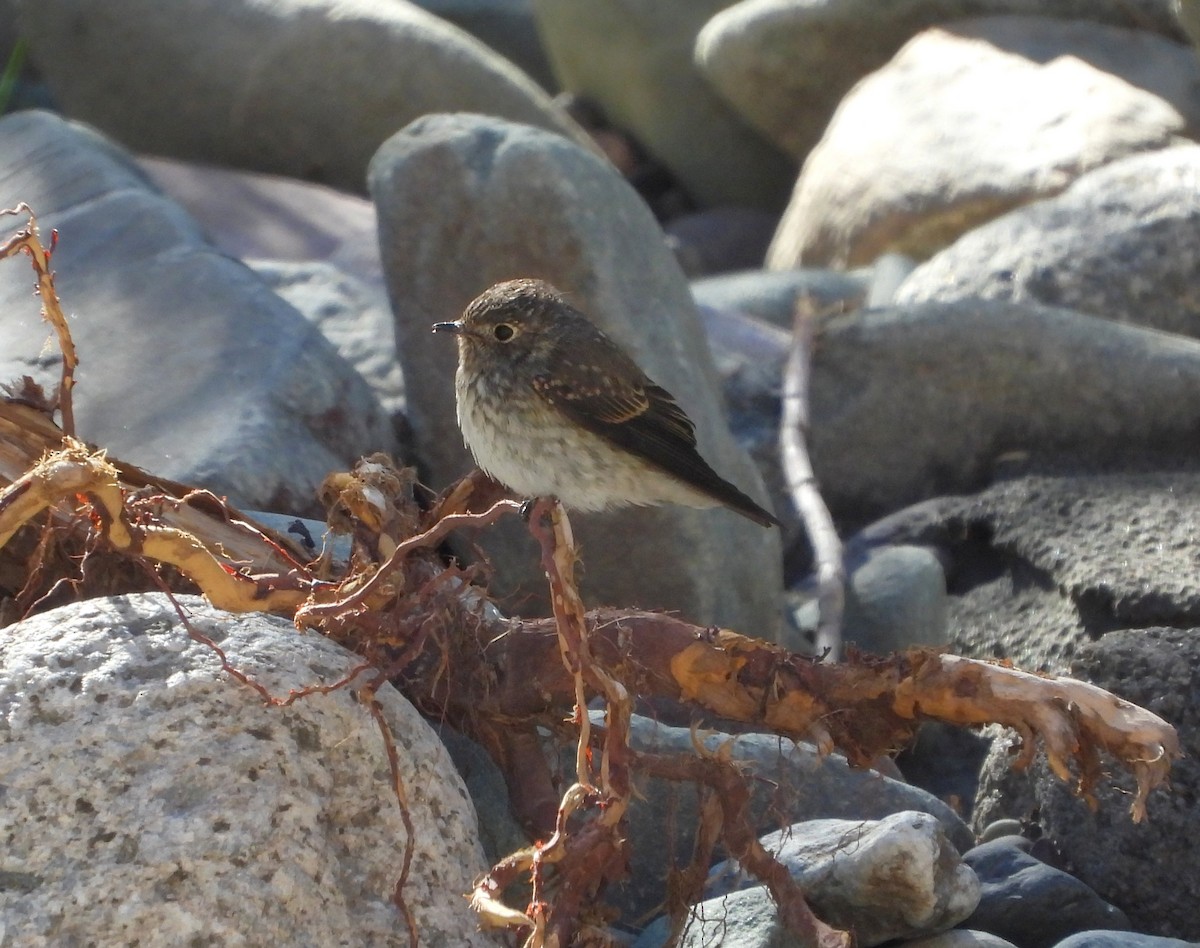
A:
(549, 405)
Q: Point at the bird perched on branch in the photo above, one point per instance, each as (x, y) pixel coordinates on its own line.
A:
(550, 406)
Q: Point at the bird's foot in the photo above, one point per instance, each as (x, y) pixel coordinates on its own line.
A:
(532, 505)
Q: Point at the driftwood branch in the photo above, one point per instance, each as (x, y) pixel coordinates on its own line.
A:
(863, 708)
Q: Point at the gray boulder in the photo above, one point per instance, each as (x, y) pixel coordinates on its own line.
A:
(1029, 902)
(896, 599)
(466, 201)
(720, 239)
(634, 58)
(1119, 243)
(912, 402)
(190, 366)
(747, 919)
(352, 315)
(1074, 557)
(1099, 938)
(167, 804)
(972, 119)
(256, 216)
(1042, 566)
(786, 64)
(314, 246)
(1041, 563)
(306, 88)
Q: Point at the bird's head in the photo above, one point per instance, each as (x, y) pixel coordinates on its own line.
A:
(512, 321)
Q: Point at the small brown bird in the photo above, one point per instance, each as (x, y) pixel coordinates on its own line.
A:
(550, 406)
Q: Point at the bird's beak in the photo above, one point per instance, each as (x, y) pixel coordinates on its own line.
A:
(456, 327)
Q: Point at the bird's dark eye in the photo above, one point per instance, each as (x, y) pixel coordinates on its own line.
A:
(504, 331)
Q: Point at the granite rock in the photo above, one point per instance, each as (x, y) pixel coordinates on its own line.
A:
(167, 804)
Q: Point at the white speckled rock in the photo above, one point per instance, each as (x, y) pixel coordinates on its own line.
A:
(899, 877)
(150, 799)
(890, 878)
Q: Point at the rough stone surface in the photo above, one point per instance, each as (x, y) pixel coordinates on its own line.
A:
(746, 918)
(1070, 558)
(1151, 870)
(306, 88)
(467, 201)
(1047, 560)
(881, 879)
(786, 64)
(1119, 243)
(166, 804)
(889, 386)
(973, 119)
(634, 58)
(1029, 902)
(1120, 542)
(794, 784)
(190, 366)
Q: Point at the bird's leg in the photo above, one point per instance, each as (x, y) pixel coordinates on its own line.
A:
(531, 504)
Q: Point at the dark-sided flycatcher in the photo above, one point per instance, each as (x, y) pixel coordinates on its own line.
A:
(551, 407)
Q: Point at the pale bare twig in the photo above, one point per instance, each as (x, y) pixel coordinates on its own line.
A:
(802, 482)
